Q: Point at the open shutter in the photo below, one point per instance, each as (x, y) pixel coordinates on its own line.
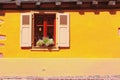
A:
(26, 26)
(63, 29)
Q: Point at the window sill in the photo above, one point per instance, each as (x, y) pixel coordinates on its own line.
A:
(55, 48)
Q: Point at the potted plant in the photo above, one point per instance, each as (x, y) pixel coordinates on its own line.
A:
(45, 42)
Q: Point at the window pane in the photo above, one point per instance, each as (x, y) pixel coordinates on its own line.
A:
(38, 33)
(50, 21)
(39, 20)
(50, 32)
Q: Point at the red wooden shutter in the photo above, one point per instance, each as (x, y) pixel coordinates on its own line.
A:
(63, 30)
(26, 27)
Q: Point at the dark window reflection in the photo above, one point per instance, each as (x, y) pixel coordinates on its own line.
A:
(50, 32)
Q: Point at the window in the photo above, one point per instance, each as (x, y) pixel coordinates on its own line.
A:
(44, 26)
(55, 26)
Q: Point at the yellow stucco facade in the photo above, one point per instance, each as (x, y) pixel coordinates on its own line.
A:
(93, 34)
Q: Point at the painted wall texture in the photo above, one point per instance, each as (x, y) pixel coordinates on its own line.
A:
(93, 34)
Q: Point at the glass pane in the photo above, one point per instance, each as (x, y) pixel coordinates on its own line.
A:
(50, 32)
(38, 33)
(50, 21)
(39, 20)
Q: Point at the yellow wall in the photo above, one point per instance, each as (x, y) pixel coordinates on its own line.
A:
(91, 36)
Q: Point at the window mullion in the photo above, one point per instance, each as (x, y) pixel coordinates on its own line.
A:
(45, 27)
